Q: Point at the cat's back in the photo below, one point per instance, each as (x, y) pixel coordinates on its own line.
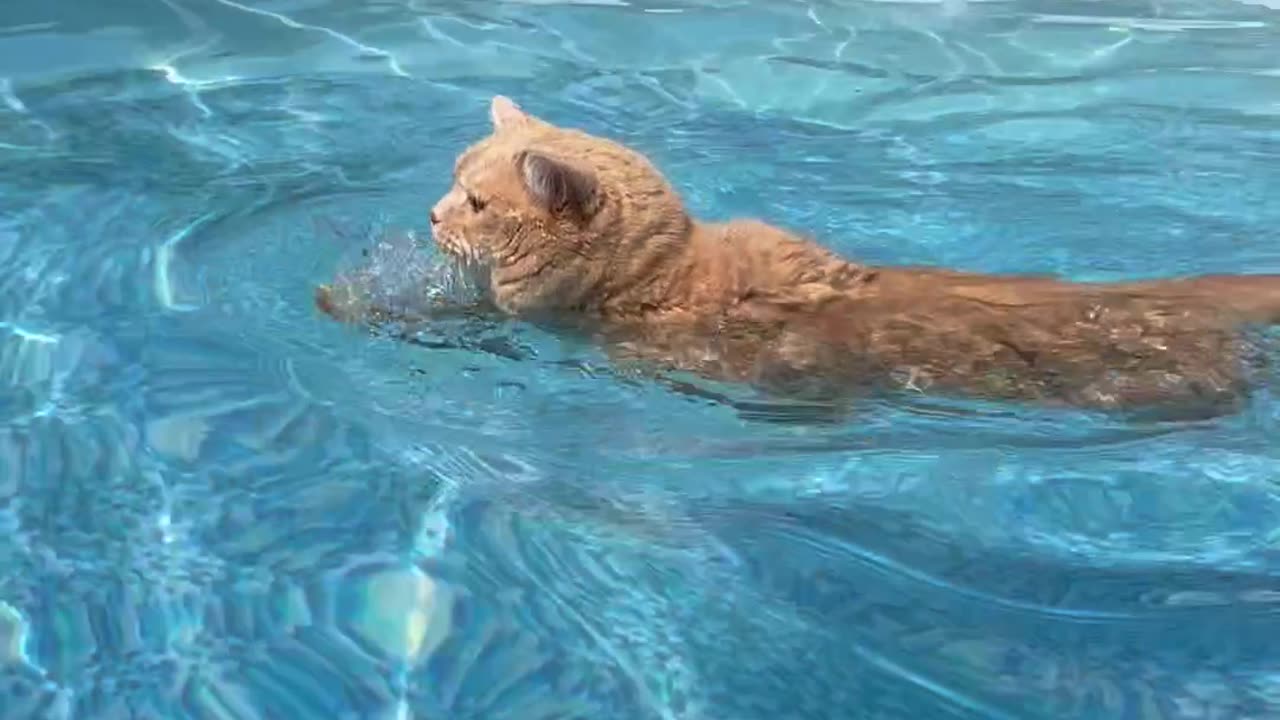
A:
(750, 259)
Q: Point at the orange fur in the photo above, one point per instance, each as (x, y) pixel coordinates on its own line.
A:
(568, 227)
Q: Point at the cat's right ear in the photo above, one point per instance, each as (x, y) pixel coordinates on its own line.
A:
(505, 114)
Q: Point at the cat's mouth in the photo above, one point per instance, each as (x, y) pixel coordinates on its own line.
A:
(458, 249)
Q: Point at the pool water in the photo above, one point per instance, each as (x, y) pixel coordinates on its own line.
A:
(215, 503)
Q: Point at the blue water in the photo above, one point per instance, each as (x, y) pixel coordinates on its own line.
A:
(216, 504)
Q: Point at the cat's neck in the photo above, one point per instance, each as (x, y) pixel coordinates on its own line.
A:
(706, 267)
(742, 258)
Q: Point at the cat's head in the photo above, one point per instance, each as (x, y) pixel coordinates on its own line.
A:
(554, 217)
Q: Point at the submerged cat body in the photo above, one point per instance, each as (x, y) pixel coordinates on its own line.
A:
(576, 230)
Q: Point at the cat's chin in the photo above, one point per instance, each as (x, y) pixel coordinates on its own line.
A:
(462, 275)
(463, 264)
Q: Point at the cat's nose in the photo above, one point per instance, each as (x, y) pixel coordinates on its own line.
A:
(435, 219)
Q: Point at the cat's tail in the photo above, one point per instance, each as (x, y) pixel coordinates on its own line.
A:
(1249, 298)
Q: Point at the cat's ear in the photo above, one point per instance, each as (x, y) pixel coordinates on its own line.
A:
(557, 186)
(505, 114)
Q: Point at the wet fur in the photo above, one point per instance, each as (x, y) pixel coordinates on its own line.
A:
(582, 232)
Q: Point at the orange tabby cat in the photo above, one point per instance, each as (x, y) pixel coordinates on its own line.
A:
(580, 231)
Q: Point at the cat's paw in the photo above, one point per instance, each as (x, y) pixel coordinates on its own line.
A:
(329, 302)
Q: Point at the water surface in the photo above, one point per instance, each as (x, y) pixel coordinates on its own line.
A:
(216, 504)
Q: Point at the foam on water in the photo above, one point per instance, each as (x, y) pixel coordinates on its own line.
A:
(218, 503)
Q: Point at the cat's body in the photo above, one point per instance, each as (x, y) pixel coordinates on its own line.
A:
(579, 231)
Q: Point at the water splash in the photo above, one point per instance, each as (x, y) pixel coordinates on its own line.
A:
(396, 276)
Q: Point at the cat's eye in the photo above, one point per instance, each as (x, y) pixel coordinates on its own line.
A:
(476, 203)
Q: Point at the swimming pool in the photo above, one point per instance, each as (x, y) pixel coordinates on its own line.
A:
(217, 504)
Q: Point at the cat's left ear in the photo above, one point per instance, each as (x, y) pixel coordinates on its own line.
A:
(559, 187)
(505, 114)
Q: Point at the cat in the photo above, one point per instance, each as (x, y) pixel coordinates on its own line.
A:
(585, 234)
